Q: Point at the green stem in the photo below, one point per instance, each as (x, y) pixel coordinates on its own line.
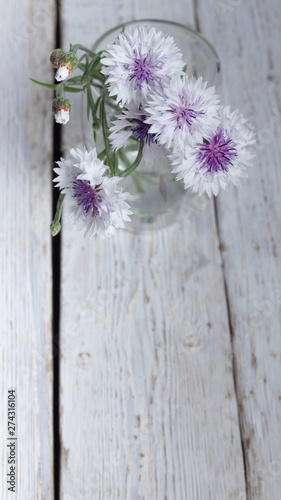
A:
(56, 225)
(90, 102)
(102, 154)
(123, 158)
(109, 152)
(135, 164)
(78, 46)
(59, 89)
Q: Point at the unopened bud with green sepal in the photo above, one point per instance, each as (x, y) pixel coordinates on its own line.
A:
(61, 109)
(96, 124)
(55, 228)
(67, 63)
(84, 80)
(55, 57)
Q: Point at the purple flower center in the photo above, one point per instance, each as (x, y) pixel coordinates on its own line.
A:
(217, 153)
(141, 131)
(185, 115)
(87, 196)
(142, 71)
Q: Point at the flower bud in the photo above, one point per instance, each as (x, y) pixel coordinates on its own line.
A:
(96, 124)
(84, 80)
(55, 228)
(61, 109)
(67, 63)
(56, 56)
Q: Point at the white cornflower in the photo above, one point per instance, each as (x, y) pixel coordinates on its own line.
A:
(184, 113)
(92, 199)
(131, 123)
(140, 61)
(221, 159)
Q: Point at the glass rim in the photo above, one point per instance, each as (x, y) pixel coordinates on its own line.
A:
(164, 21)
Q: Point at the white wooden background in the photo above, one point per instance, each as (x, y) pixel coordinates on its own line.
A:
(170, 356)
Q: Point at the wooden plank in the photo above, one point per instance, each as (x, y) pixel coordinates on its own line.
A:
(249, 220)
(148, 407)
(25, 306)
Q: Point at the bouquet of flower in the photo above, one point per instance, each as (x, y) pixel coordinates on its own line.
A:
(142, 77)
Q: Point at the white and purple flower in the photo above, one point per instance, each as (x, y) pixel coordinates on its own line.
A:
(220, 159)
(184, 113)
(92, 199)
(132, 124)
(141, 60)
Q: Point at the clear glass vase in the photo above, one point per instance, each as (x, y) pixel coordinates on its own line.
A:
(156, 196)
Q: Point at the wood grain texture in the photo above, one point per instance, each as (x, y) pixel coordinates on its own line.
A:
(25, 307)
(249, 220)
(148, 407)
(148, 404)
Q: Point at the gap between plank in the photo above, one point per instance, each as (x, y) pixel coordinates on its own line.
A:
(56, 268)
(232, 343)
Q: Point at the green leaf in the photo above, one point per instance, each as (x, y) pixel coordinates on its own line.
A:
(97, 103)
(82, 67)
(52, 86)
(94, 62)
(98, 76)
(100, 87)
(74, 79)
(72, 89)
